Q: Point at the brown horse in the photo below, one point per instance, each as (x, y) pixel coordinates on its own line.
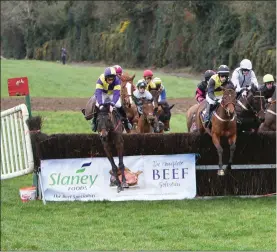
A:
(147, 120)
(223, 124)
(191, 118)
(269, 123)
(127, 89)
(110, 130)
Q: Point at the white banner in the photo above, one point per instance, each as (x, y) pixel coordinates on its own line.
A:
(157, 177)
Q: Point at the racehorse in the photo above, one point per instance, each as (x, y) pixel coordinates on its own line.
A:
(164, 114)
(110, 130)
(223, 124)
(269, 123)
(147, 120)
(191, 118)
(250, 110)
(162, 110)
(127, 89)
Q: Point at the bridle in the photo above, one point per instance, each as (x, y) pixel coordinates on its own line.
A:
(226, 105)
(251, 107)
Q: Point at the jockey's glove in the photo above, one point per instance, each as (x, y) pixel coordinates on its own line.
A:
(269, 99)
(238, 89)
(112, 108)
(216, 100)
(112, 104)
(244, 93)
(101, 107)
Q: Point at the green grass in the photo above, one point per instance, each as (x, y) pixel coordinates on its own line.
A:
(51, 79)
(218, 224)
(73, 122)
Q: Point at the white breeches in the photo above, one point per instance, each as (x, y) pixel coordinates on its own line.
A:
(210, 101)
(108, 98)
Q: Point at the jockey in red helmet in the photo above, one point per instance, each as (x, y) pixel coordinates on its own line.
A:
(118, 70)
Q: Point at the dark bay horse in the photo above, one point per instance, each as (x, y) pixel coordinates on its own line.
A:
(269, 123)
(223, 124)
(110, 130)
(250, 110)
(164, 114)
(127, 89)
(162, 110)
(147, 120)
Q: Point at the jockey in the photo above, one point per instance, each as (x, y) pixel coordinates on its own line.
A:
(214, 93)
(155, 84)
(202, 86)
(108, 87)
(160, 87)
(268, 88)
(148, 76)
(141, 93)
(244, 76)
(118, 70)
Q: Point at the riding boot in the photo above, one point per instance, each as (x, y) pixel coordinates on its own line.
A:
(125, 119)
(207, 115)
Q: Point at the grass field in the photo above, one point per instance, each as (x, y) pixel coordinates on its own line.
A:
(51, 79)
(218, 224)
(74, 122)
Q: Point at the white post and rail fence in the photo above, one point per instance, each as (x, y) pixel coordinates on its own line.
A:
(16, 147)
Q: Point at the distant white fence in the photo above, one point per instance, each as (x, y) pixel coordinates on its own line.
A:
(16, 148)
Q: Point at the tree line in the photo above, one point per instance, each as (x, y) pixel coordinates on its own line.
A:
(176, 34)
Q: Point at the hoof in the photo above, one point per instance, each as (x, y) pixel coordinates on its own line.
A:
(220, 172)
(229, 167)
(125, 185)
(119, 189)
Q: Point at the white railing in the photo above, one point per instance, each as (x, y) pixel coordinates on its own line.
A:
(16, 148)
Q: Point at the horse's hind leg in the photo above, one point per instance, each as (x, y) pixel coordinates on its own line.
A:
(232, 143)
(216, 141)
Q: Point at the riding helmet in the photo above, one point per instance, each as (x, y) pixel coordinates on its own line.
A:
(141, 83)
(110, 72)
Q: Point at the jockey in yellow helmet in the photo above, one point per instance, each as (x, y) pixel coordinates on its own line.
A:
(268, 88)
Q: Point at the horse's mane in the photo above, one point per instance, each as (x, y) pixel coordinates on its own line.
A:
(126, 77)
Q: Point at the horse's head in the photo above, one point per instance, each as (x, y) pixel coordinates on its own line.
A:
(104, 121)
(254, 101)
(165, 114)
(155, 94)
(229, 100)
(258, 105)
(127, 88)
(148, 111)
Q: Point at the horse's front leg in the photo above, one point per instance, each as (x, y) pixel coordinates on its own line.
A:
(108, 151)
(119, 143)
(232, 143)
(216, 141)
